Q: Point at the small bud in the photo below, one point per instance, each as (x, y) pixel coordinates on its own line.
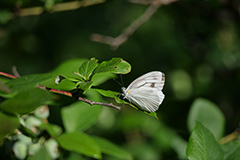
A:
(34, 148)
(52, 148)
(32, 123)
(20, 149)
(24, 139)
(42, 112)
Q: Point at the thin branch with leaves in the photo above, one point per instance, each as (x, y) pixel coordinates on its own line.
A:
(67, 94)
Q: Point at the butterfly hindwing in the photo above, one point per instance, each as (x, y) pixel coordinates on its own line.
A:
(147, 99)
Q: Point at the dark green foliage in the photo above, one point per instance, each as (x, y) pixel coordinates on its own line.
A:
(195, 43)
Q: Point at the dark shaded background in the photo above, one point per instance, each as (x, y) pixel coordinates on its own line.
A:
(195, 43)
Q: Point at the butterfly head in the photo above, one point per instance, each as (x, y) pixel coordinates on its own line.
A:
(125, 92)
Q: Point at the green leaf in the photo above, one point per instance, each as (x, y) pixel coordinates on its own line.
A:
(40, 155)
(52, 129)
(231, 150)
(8, 124)
(4, 90)
(107, 93)
(115, 65)
(87, 68)
(80, 143)
(26, 102)
(208, 114)
(202, 145)
(60, 78)
(27, 82)
(66, 70)
(101, 78)
(68, 67)
(79, 116)
(85, 85)
(109, 148)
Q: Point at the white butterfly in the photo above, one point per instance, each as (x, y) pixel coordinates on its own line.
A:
(146, 91)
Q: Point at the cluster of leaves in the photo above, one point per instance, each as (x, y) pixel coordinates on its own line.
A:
(84, 78)
(88, 74)
(21, 97)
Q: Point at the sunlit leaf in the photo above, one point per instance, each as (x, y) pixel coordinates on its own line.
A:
(115, 65)
(87, 68)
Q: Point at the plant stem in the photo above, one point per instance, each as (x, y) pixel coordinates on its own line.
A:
(67, 94)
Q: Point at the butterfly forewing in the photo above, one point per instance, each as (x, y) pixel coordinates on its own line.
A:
(153, 79)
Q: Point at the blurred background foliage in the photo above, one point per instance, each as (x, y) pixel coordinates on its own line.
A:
(195, 43)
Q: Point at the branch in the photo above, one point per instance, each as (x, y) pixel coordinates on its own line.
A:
(67, 94)
(58, 7)
(230, 137)
(147, 2)
(8, 75)
(99, 103)
(117, 41)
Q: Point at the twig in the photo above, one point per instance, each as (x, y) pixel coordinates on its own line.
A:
(65, 6)
(99, 103)
(67, 94)
(8, 75)
(147, 2)
(230, 137)
(117, 41)
(143, 2)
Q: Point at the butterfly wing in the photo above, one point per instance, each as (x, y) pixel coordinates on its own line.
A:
(146, 99)
(146, 91)
(154, 79)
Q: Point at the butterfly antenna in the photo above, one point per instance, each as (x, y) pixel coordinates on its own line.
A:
(120, 83)
(121, 80)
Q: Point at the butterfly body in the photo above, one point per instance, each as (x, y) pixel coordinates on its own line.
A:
(146, 91)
